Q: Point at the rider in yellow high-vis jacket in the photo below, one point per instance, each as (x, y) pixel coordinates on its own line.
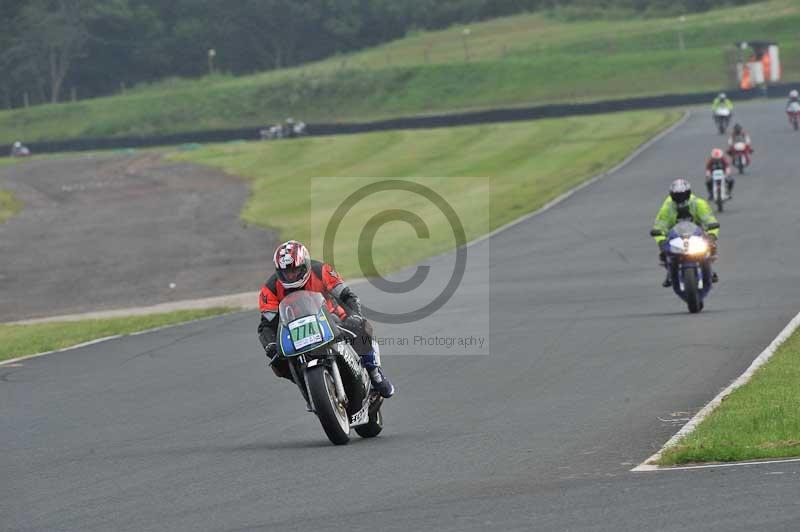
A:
(721, 101)
(680, 205)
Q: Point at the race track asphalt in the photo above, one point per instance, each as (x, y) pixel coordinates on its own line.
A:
(591, 367)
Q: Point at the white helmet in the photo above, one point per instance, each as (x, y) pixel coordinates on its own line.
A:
(17, 144)
(793, 94)
(680, 191)
(723, 96)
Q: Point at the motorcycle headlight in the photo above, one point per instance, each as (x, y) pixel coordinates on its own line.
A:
(697, 246)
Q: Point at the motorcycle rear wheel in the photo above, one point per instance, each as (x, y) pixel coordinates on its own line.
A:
(692, 293)
(331, 413)
(373, 428)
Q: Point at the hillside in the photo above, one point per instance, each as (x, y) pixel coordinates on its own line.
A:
(521, 60)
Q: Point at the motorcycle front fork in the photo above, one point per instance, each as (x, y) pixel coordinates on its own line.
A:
(710, 186)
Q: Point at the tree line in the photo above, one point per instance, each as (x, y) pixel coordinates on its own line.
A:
(51, 50)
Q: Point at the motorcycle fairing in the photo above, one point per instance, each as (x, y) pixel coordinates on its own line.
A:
(326, 335)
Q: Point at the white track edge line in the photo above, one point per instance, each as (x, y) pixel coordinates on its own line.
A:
(113, 337)
(70, 348)
(722, 465)
(744, 378)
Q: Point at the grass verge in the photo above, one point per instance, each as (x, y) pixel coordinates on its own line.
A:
(9, 205)
(522, 60)
(516, 168)
(21, 340)
(8, 161)
(760, 420)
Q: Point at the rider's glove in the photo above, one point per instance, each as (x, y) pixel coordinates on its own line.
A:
(352, 322)
(271, 349)
(712, 243)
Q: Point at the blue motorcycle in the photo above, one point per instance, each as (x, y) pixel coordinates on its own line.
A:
(688, 255)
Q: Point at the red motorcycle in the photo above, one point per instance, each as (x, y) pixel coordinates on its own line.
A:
(740, 155)
(793, 111)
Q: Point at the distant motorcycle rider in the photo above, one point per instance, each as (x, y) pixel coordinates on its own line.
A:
(717, 161)
(19, 150)
(793, 107)
(794, 98)
(294, 270)
(740, 135)
(682, 205)
(721, 101)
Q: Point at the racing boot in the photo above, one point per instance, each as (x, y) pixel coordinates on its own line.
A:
(380, 381)
(731, 182)
(662, 259)
(710, 188)
(714, 277)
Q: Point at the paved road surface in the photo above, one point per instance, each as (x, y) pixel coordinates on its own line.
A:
(592, 366)
(101, 232)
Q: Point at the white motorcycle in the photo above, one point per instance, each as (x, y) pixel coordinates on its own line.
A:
(793, 112)
(719, 188)
(722, 117)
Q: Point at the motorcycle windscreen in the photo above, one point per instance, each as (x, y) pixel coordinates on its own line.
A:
(685, 229)
(304, 325)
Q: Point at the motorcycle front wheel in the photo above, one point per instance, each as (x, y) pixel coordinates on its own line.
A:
(692, 293)
(331, 412)
(719, 196)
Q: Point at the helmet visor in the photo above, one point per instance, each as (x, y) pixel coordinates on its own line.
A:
(292, 275)
(681, 197)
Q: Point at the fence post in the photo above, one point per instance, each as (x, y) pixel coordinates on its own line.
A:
(26, 99)
(465, 35)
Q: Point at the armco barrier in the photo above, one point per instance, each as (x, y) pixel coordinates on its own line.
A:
(412, 122)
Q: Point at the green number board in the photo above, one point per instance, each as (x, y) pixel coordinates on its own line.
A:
(305, 332)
